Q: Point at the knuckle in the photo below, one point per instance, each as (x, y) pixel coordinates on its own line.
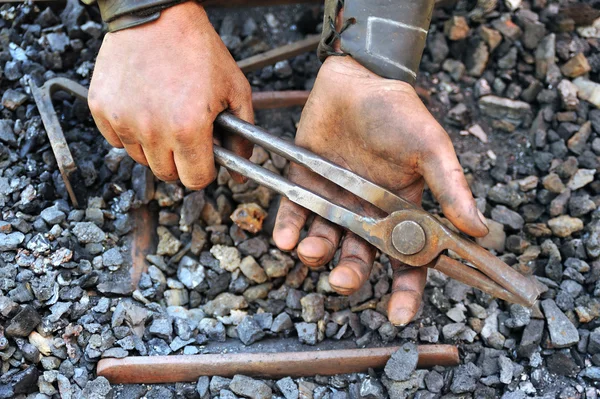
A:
(244, 88)
(165, 175)
(186, 126)
(96, 106)
(197, 182)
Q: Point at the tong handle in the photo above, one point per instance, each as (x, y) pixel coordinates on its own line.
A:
(295, 193)
(357, 185)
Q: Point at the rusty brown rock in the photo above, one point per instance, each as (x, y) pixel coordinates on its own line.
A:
(576, 66)
(249, 217)
(456, 28)
(491, 36)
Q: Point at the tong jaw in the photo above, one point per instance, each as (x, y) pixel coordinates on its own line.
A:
(417, 238)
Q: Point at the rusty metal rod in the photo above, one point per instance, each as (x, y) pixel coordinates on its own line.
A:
(181, 368)
(279, 54)
(279, 99)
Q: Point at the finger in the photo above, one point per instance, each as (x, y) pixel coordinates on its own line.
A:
(445, 178)
(240, 105)
(354, 267)
(290, 220)
(108, 132)
(193, 157)
(407, 292)
(136, 152)
(162, 163)
(319, 247)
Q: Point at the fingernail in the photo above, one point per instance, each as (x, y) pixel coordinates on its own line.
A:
(483, 219)
(312, 259)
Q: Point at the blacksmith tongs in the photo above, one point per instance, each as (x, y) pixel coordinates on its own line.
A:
(408, 233)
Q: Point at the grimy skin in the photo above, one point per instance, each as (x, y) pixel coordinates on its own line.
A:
(158, 88)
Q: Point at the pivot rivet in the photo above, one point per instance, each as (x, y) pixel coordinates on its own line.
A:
(408, 237)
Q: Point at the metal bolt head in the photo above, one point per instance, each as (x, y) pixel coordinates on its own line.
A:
(408, 237)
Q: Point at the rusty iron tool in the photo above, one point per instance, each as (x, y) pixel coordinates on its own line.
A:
(279, 99)
(281, 53)
(43, 99)
(408, 234)
(181, 368)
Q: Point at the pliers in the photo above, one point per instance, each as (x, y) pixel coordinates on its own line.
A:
(408, 233)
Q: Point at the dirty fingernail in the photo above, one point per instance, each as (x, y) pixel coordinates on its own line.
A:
(344, 279)
(312, 259)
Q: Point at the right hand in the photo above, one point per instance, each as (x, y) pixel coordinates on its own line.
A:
(157, 89)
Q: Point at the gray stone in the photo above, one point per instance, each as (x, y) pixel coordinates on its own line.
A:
(520, 316)
(11, 241)
(224, 303)
(13, 99)
(594, 342)
(112, 258)
(313, 307)
(402, 362)
(429, 334)
(161, 327)
(97, 389)
(372, 319)
(217, 384)
(202, 387)
(249, 331)
(57, 41)
(562, 332)
(507, 217)
(249, 387)
(214, 329)
(192, 208)
(465, 378)
(506, 195)
(88, 232)
(512, 112)
(506, 369)
(158, 392)
(7, 135)
(118, 353)
(23, 323)
(581, 178)
(434, 381)
(53, 215)
(592, 372)
(190, 272)
(288, 388)
(132, 315)
(307, 333)
(282, 322)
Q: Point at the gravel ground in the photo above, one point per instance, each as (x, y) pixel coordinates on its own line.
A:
(512, 81)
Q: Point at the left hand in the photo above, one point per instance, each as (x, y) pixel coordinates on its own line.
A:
(379, 129)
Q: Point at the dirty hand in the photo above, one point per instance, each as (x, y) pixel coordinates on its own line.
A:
(157, 89)
(381, 130)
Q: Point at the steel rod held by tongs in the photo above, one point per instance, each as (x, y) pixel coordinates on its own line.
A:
(409, 233)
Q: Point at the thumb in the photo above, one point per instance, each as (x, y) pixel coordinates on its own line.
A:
(446, 179)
